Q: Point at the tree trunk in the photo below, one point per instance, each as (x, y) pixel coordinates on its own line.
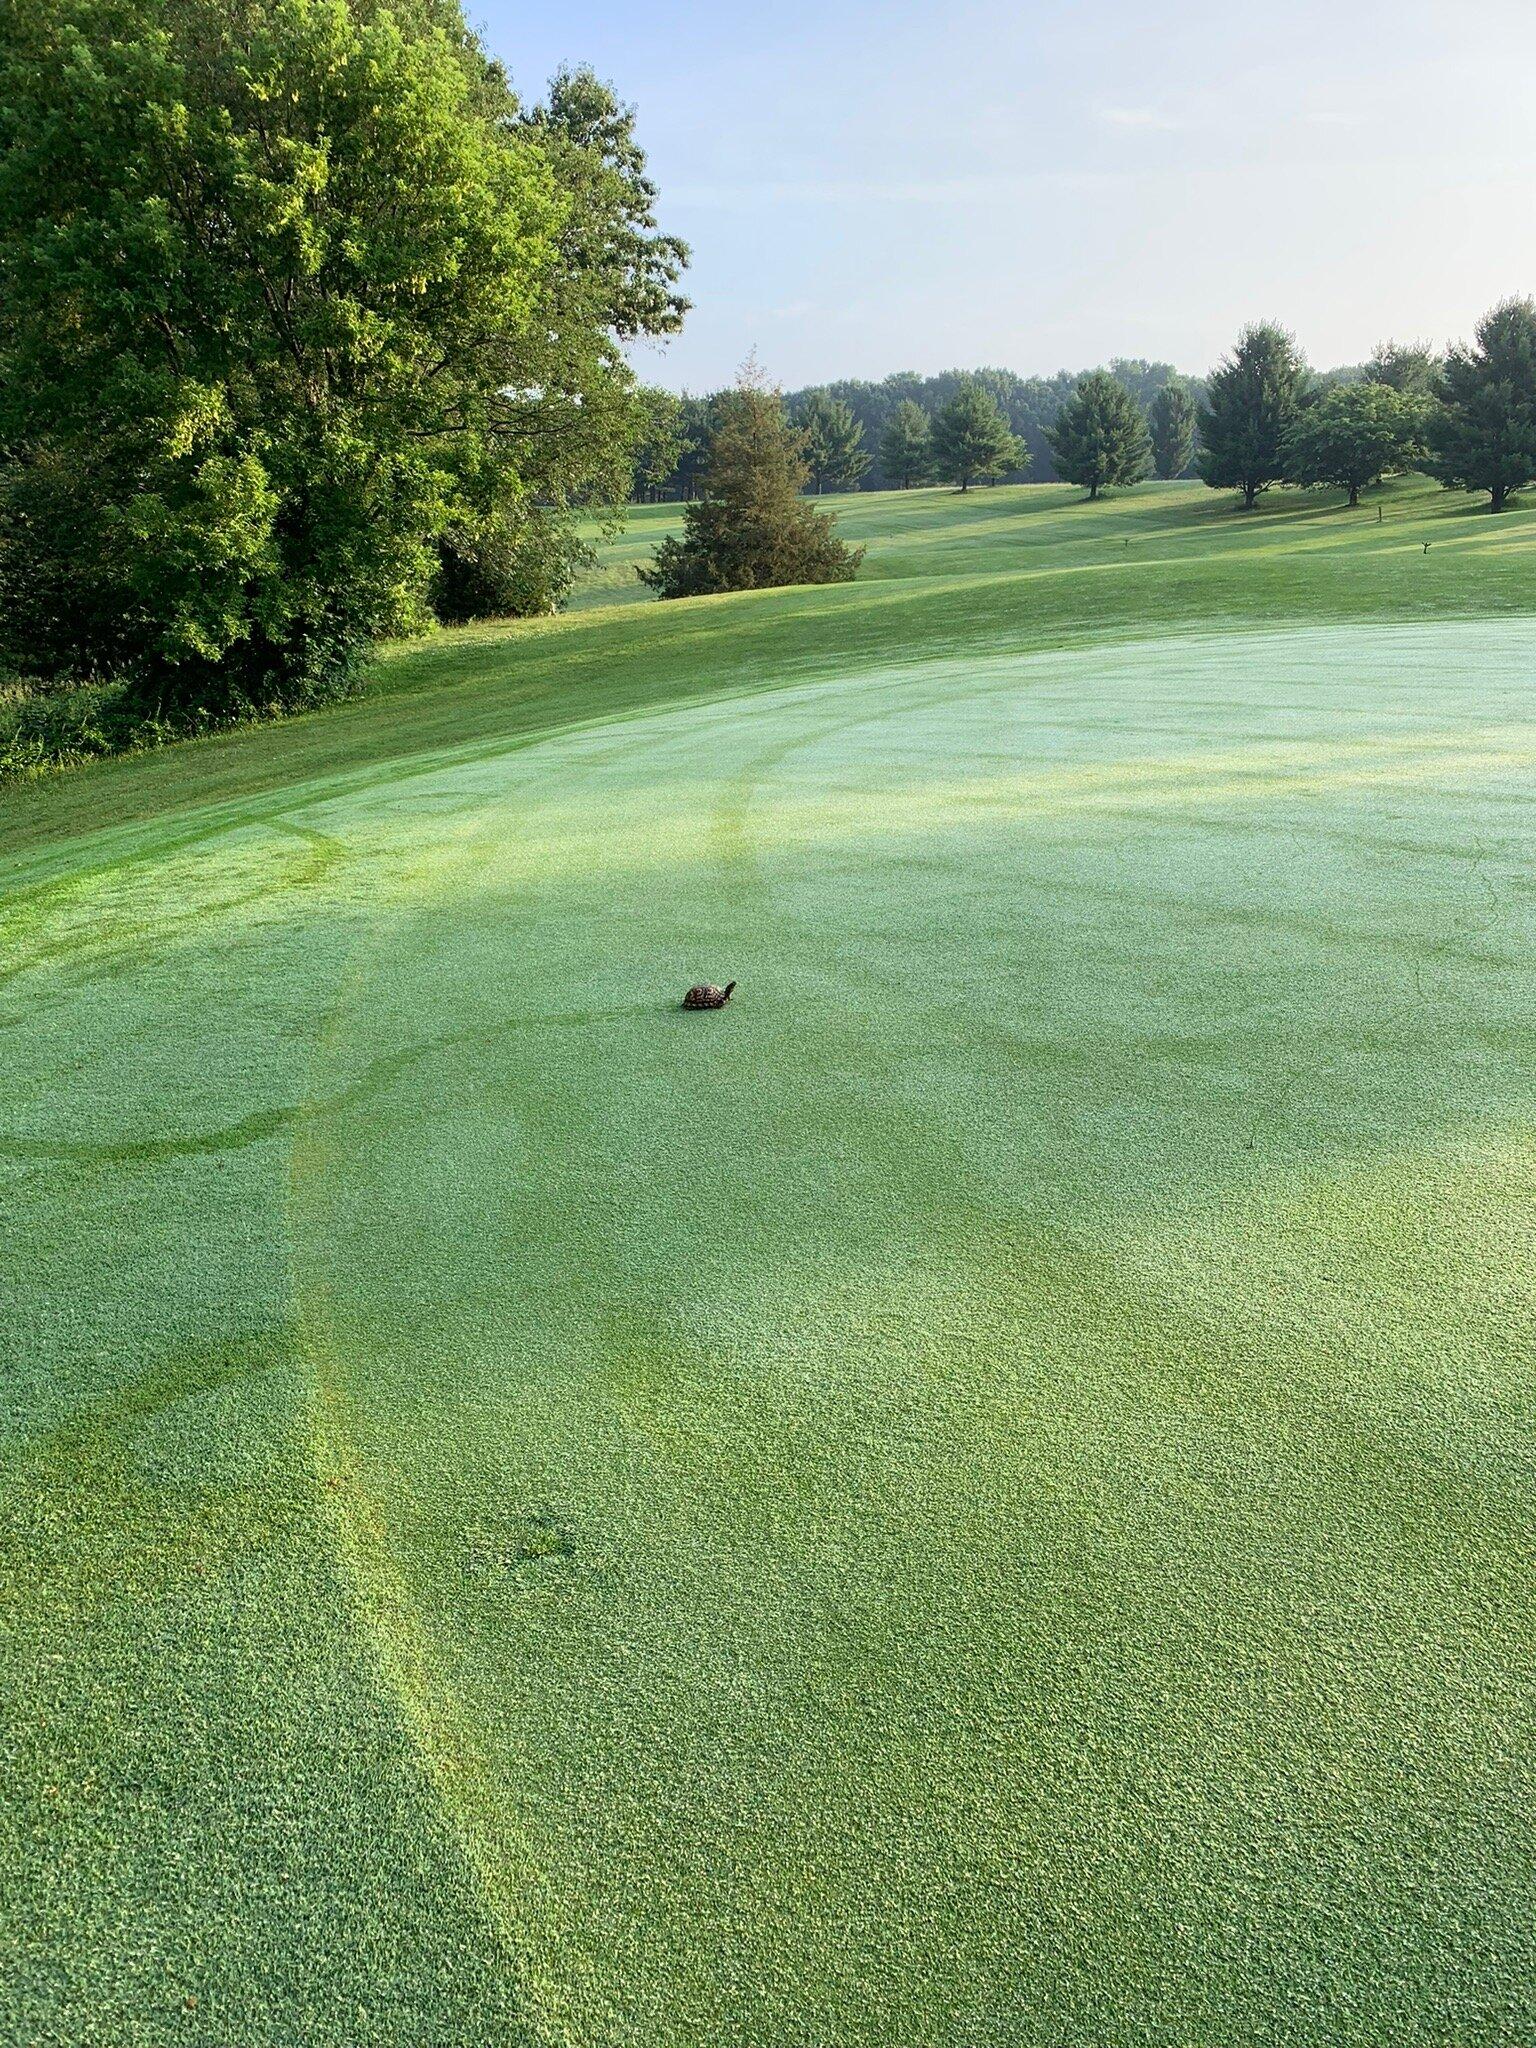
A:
(1250, 496)
(1093, 492)
(1354, 494)
(1500, 493)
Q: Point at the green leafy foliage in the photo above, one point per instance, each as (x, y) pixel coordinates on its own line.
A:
(512, 564)
(835, 455)
(578, 421)
(1171, 421)
(256, 272)
(972, 439)
(697, 422)
(1482, 436)
(572, 424)
(1354, 435)
(1411, 366)
(906, 446)
(618, 273)
(661, 441)
(1028, 404)
(1099, 438)
(751, 529)
(43, 729)
(293, 298)
(1253, 399)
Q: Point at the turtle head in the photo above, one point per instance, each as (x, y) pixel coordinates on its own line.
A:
(727, 990)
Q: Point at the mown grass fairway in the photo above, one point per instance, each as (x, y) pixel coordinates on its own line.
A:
(981, 1496)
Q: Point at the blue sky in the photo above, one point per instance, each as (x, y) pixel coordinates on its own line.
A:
(872, 187)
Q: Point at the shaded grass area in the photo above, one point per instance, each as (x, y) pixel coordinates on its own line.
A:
(982, 1494)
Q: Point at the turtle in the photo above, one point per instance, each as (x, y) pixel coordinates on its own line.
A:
(705, 996)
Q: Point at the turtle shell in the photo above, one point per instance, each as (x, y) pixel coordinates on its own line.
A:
(705, 996)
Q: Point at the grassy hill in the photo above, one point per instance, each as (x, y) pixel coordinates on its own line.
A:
(1030, 567)
(982, 1494)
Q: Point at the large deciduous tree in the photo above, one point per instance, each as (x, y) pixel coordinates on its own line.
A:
(619, 273)
(1482, 434)
(751, 529)
(906, 446)
(292, 294)
(660, 447)
(1254, 397)
(1354, 435)
(1099, 438)
(971, 437)
(835, 455)
(572, 423)
(1171, 419)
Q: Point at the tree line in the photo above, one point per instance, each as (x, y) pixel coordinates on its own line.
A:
(1468, 418)
(870, 436)
(1263, 417)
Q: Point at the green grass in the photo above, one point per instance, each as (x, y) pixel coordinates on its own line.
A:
(980, 1496)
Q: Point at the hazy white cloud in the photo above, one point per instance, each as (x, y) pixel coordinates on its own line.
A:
(1139, 117)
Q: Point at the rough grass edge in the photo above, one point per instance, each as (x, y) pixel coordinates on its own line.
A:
(46, 729)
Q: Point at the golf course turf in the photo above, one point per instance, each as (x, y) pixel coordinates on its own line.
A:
(980, 1497)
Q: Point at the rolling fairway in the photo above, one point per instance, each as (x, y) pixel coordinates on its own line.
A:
(981, 1496)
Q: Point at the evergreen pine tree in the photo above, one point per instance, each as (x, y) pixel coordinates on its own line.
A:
(971, 437)
(835, 454)
(1099, 438)
(906, 446)
(1482, 435)
(751, 529)
(1172, 421)
(1411, 366)
(1254, 397)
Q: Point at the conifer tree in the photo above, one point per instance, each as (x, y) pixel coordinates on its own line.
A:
(1411, 366)
(1354, 435)
(835, 454)
(1254, 397)
(1482, 435)
(1172, 421)
(971, 437)
(1099, 438)
(906, 446)
(751, 529)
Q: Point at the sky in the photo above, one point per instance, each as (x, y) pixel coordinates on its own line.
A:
(1044, 185)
